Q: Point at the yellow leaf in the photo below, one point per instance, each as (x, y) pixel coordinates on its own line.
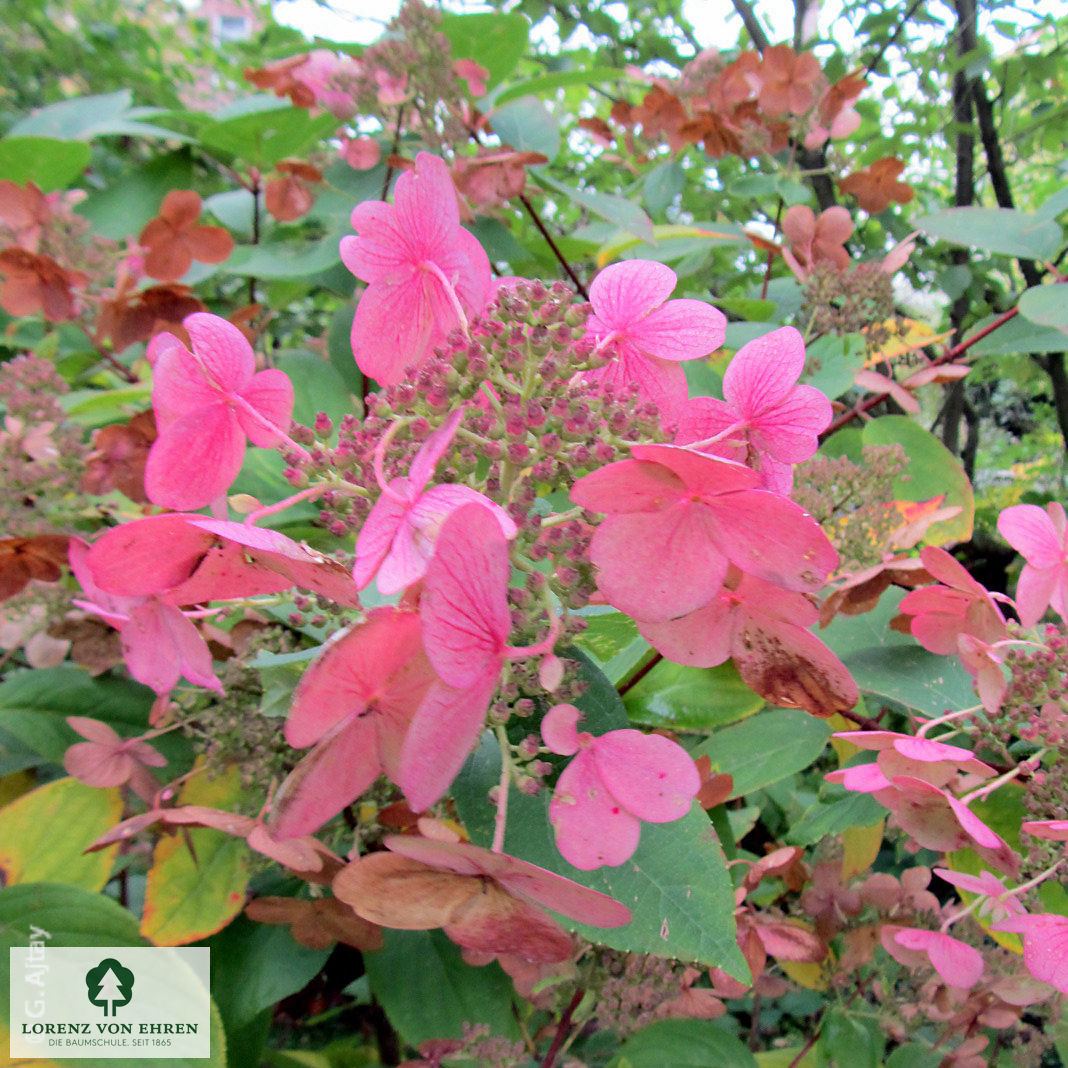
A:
(916, 335)
(860, 847)
(614, 249)
(810, 976)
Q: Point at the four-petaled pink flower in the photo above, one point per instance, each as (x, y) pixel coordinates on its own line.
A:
(767, 420)
(616, 781)
(922, 758)
(645, 335)
(465, 622)
(354, 705)
(677, 518)
(208, 400)
(1041, 538)
(397, 539)
(426, 274)
(997, 906)
(106, 759)
(1045, 946)
(959, 964)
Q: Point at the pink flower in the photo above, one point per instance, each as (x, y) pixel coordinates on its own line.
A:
(996, 907)
(473, 73)
(1045, 939)
(207, 402)
(1041, 538)
(922, 758)
(763, 628)
(105, 759)
(1057, 830)
(813, 240)
(767, 420)
(355, 702)
(959, 964)
(677, 518)
(465, 621)
(645, 335)
(397, 539)
(159, 643)
(425, 273)
(616, 781)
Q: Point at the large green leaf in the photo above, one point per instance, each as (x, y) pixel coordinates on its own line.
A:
(688, 698)
(428, 991)
(73, 916)
(50, 163)
(1017, 335)
(890, 664)
(44, 834)
(285, 259)
(999, 230)
(676, 884)
(617, 210)
(831, 363)
(265, 136)
(559, 79)
(123, 207)
(766, 748)
(528, 126)
(612, 641)
(1047, 306)
(683, 1044)
(317, 387)
(86, 117)
(496, 41)
(932, 471)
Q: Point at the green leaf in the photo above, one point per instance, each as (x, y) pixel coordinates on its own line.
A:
(86, 117)
(254, 966)
(528, 126)
(317, 387)
(50, 163)
(73, 916)
(832, 362)
(850, 1041)
(766, 748)
(826, 818)
(662, 185)
(264, 137)
(428, 991)
(34, 706)
(617, 210)
(932, 471)
(44, 834)
(676, 884)
(612, 640)
(123, 208)
(339, 349)
(890, 664)
(1003, 231)
(1056, 204)
(688, 698)
(284, 259)
(913, 1055)
(1017, 335)
(191, 894)
(1047, 306)
(682, 1044)
(560, 79)
(494, 41)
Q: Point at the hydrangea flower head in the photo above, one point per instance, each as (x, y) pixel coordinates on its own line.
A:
(1040, 536)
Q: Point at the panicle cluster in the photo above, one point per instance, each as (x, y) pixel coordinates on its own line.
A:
(836, 301)
(634, 987)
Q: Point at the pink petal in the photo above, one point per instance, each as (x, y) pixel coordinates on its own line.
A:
(947, 569)
(464, 606)
(379, 252)
(863, 778)
(93, 730)
(764, 371)
(651, 776)
(627, 486)
(431, 451)
(424, 201)
(159, 645)
(127, 560)
(179, 386)
(375, 540)
(659, 381)
(221, 350)
(789, 430)
(393, 328)
(443, 732)
(271, 394)
(591, 828)
(791, 550)
(1057, 830)
(382, 657)
(626, 292)
(196, 460)
(558, 730)
(699, 639)
(1034, 591)
(680, 330)
(706, 417)
(331, 776)
(95, 765)
(960, 965)
(659, 565)
(1030, 531)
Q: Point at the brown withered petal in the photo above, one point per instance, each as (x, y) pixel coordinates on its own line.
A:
(131, 318)
(877, 186)
(299, 169)
(278, 76)
(22, 559)
(317, 922)
(93, 644)
(35, 283)
(119, 455)
(173, 240)
(287, 198)
(787, 941)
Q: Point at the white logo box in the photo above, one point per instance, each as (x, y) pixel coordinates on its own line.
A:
(141, 1002)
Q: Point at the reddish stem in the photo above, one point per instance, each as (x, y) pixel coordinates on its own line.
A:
(562, 1028)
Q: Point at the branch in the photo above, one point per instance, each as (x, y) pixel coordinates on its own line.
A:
(892, 39)
(561, 259)
(562, 1028)
(755, 30)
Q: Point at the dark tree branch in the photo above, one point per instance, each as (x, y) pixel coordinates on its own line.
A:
(892, 39)
(560, 257)
(752, 25)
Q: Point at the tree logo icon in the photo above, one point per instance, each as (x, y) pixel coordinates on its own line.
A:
(109, 985)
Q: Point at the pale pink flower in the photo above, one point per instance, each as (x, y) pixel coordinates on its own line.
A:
(615, 782)
(360, 153)
(106, 759)
(959, 964)
(1040, 536)
(425, 273)
(676, 519)
(465, 621)
(208, 401)
(1056, 830)
(812, 239)
(354, 705)
(766, 420)
(1045, 939)
(397, 539)
(923, 758)
(986, 885)
(645, 336)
